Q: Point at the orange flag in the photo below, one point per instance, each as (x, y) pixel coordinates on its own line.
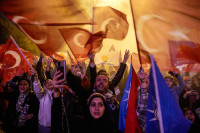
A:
(81, 42)
(181, 52)
(159, 21)
(190, 53)
(12, 62)
(41, 20)
(110, 21)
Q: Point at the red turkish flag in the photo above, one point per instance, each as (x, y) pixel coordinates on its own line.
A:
(81, 42)
(110, 21)
(12, 63)
(132, 124)
(190, 53)
(180, 52)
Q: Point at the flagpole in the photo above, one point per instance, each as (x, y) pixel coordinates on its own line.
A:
(21, 52)
(92, 21)
(157, 95)
(92, 17)
(137, 41)
(73, 55)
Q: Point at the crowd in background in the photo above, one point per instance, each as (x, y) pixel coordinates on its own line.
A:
(45, 102)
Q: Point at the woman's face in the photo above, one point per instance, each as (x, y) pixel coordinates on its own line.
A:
(189, 115)
(97, 108)
(49, 84)
(23, 86)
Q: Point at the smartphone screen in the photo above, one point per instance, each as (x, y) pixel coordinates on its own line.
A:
(61, 66)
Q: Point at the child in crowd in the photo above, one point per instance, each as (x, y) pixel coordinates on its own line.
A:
(189, 96)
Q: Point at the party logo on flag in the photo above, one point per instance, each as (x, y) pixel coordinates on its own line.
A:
(163, 112)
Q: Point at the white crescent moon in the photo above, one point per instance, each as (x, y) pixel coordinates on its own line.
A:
(42, 40)
(75, 40)
(140, 25)
(16, 56)
(104, 23)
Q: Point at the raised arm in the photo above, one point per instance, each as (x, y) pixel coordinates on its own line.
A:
(121, 69)
(92, 68)
(40, 70)
(37, 88)
(48, 68)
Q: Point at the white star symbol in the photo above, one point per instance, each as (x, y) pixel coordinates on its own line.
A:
(155, 112)
(128, 94)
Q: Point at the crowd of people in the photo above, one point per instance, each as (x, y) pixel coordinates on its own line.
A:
(45, 102)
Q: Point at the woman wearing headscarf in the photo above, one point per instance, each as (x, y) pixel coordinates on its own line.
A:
(97, 120)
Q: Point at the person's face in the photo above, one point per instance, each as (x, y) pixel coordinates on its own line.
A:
(77, 71)
(188, 84)
(142, 76)
(169, 82)
(97, 108)
(189, 115)
(198, 111)
(101, 83)
(23, 86)
(48, 84)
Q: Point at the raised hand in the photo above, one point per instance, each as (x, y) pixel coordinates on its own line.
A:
(49, 60)
(91, 57)
(56, 82)
(126, 56)
(35, 74)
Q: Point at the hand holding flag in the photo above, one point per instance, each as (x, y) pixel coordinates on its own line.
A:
(12, 61)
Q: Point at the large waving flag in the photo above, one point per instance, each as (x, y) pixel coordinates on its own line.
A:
(163, 112)
(110, 21)
(81, 41)
(159, 21)
(12, 62)
(41, 20)
(128, 122)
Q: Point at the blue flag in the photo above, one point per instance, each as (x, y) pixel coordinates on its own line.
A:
(124, 101)
(172, 119)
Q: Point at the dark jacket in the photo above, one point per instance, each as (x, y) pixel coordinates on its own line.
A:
(115, 81)
(73, 117)
(12, 115)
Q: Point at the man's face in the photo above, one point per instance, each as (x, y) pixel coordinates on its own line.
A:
(101, 83)
(169, 82)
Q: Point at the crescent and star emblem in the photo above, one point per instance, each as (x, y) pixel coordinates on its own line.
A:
(43, 38)
(16, 56)
(75, 40)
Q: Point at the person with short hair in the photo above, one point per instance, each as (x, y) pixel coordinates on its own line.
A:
(176, 90)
